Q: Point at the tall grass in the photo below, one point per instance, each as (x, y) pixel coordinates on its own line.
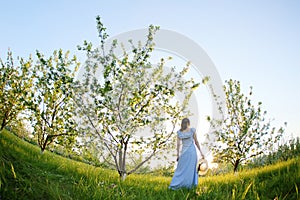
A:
(25, 173)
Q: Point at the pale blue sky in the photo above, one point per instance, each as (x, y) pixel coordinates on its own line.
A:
(256, 42)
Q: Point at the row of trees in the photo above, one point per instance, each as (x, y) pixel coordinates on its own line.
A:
(131, 95)
(40, 91)
(119, 97)
(286, 150)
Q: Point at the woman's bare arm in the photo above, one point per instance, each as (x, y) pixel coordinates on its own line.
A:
(178, 146)
(197, 144)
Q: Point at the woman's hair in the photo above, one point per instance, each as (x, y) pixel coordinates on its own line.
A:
(184, 124)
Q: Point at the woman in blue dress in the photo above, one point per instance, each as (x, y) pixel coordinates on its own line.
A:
(185, 175)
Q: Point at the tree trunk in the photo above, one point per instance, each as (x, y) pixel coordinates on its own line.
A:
(122, 170)
(44, 145)
(123, 175)
(236, 164)
(122, 159)
(43, 149)
(3, 124)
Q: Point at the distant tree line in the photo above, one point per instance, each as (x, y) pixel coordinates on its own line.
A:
(283, 152)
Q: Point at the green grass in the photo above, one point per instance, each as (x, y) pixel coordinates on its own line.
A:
(25, 173)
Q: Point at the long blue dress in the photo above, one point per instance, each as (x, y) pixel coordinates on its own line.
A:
(185, 175)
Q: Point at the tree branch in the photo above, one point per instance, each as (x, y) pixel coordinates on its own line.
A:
(55, 110)
(153, 153)
(139, 165)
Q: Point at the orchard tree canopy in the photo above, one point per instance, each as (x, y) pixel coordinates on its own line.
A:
(15, 86)
(131, 95)
(244, 132)
(51, 104)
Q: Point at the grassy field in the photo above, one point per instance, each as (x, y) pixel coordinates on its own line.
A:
(25, 173)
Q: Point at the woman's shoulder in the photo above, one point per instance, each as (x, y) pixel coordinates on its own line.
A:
(187, 134)
(193, 130)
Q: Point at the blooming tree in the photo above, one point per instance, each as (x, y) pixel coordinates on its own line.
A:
(244, 132)
(129, 96)
(51, 105)
(15, 86)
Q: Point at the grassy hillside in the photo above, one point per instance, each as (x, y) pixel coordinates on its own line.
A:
(25, 173)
